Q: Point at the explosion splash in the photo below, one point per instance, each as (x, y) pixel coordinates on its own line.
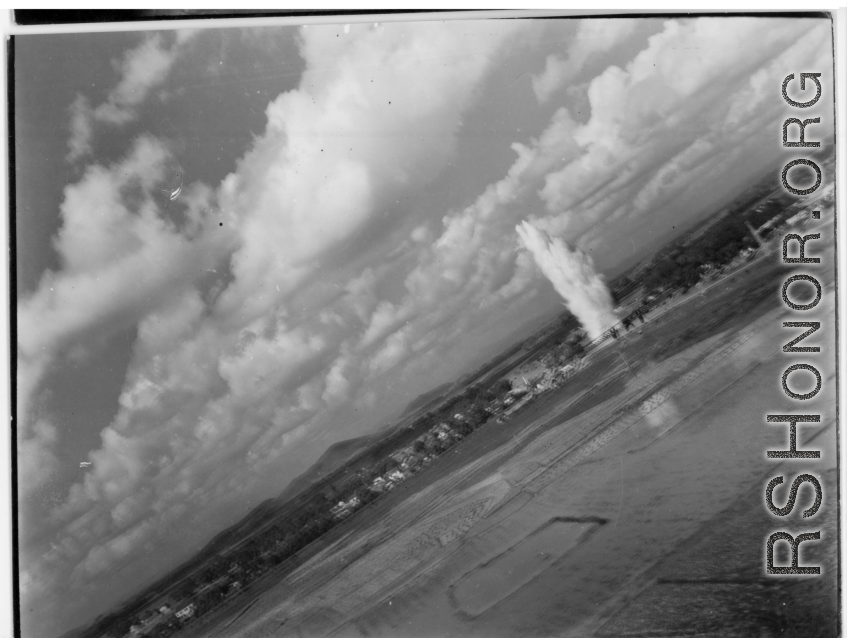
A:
(573, 276)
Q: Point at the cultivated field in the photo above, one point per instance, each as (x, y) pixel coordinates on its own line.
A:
(627, 503)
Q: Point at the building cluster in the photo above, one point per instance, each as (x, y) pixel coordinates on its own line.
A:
(172, 616)
(345, 508)
(407, 461)
(554, 373)
(150, 618)
(396, 467)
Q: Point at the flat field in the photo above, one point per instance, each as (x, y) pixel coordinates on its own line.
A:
(629, 502)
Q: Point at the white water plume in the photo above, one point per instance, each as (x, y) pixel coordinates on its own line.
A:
(573, 276)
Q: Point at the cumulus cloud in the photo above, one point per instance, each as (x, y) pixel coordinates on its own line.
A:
(471, 265)
(664, 122)
(121, 260)
(361, 126)
(594, 36)
(141, 70)
(36, 460)
(82, 128)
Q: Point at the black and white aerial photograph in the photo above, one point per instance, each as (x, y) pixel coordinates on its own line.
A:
(420, 325)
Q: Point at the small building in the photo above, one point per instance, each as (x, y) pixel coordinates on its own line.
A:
(798, 219)
(401, 456)
(446, 434)
(164, 609)
(341, 510)
(344, 509)
(443, 431)
(186, 612)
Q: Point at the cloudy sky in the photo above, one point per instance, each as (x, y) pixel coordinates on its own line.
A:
(344, 240)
